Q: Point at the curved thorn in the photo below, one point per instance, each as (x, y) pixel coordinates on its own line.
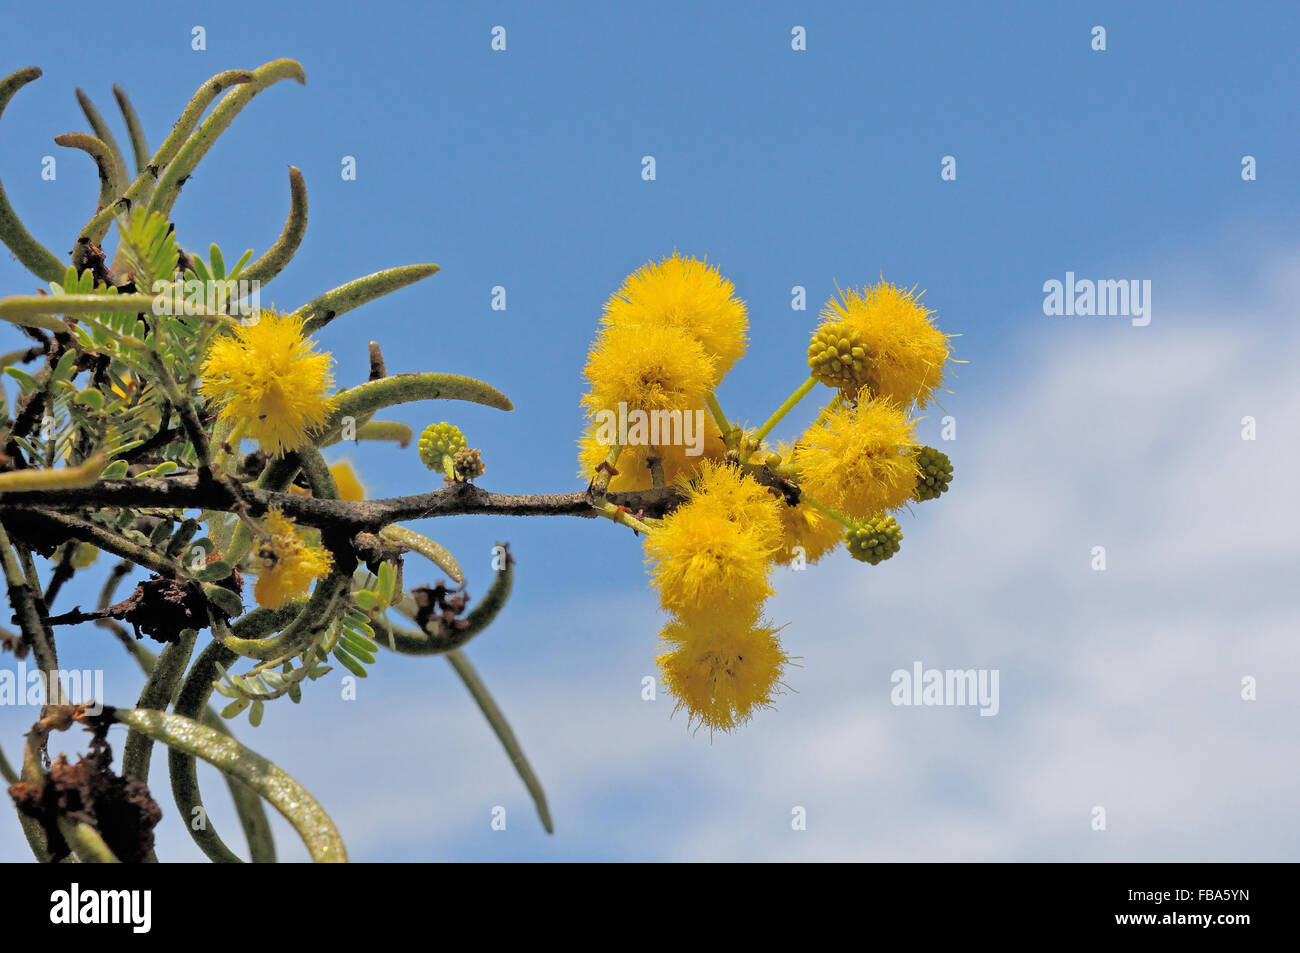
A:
(227, 755)
(143, 185)
(198, 144)
(110, 183)
(273, 260)
(364, 399)
(35, 257)
(139, 148)
(318, 312)
(104, 135)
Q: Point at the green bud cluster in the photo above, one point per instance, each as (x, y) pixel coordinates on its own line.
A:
(934, 471)
(837, 356)
(874, 540)
(439, 441)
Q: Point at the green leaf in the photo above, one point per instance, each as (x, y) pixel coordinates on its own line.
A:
(387, 580)
(357, 648)
(354, 619)
(63, 370)
(348, 662)
(218, 262)
(235, 707)
(225, 600)
(239, 265)
(92, 398)
(214, 571)
(161, 531)
(366, 599)
(26, 383)
(255, 713)
(180, 539)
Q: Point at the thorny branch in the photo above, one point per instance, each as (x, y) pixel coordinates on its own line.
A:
(455, 499)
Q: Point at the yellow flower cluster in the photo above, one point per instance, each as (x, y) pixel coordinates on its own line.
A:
(285, 562)
(712, 558)
(268, 382)
(858, 456)
(669, 335)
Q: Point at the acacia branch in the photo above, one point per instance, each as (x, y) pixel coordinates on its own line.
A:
(457, 499)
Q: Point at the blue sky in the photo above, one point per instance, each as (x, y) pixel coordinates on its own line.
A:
(523, 169)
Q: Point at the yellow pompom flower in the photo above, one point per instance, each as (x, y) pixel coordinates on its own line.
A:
(743, 498)
(722, 671)
(647, 368)
(345, 479)
(285, 563)
(858, 459)
(689, 296)
(906, 353)
(268, 377)
(713, 554)
(814, 534)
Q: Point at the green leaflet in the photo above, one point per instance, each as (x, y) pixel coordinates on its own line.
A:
(148, 247)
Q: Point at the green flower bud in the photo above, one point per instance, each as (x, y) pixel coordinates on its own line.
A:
(934, 473)
(439, 441)
(874, 540)
(837, 356)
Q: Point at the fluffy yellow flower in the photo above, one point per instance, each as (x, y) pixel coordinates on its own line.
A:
(687, 295)
(345, 479)
(633, 471)
(722, 671)
(816, 534)
(648, 368)
(743, 498)
(906, 353)
(269, 377)
(858, 459)
(286, 564)
(713, 554)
